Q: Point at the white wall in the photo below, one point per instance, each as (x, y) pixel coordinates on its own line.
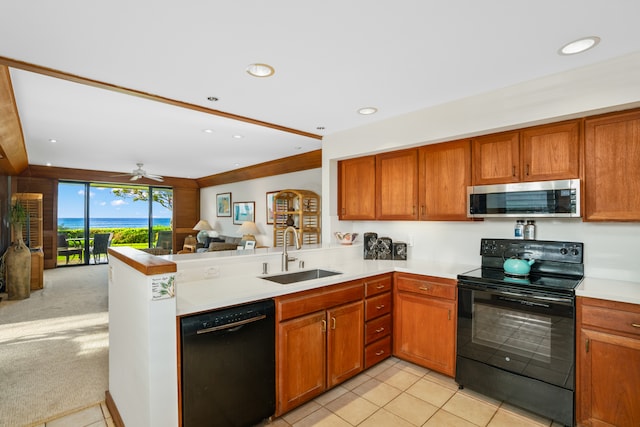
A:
(255, 190)
(610, 248)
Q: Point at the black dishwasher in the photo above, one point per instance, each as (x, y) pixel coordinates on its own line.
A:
(228, 366)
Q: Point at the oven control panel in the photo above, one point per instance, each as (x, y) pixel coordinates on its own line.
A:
(540, 250)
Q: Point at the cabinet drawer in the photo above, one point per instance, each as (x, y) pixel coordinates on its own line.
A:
(377, 352)
(612, 319)
(300, 303)
(377, 285)
(377, 328)
(427, 285)
(378, 305)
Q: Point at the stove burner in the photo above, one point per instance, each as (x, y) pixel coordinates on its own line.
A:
(515, 276)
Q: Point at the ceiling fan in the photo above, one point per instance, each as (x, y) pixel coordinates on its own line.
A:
(136, 174)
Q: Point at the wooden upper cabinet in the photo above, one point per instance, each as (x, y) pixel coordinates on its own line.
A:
(540, 153)
(611, 188)
(496, 158)
(444, 175)
(397, 185)
(551, 152)
(357, 188)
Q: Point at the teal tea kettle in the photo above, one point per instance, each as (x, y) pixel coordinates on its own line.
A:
(517, 266)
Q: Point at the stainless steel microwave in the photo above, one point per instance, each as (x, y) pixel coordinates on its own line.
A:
(525, 199)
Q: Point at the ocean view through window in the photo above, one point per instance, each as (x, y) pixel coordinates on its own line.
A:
(132, 215)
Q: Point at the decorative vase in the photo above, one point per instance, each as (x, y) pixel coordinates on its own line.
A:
(18, 263)
(290, 220)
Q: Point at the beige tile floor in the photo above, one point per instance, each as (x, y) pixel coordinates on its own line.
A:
(393, 393)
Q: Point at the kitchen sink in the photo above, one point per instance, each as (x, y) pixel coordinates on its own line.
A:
(300, 276)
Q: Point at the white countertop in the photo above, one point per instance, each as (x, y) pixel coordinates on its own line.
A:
(208, 294)
(240, 281)
(614, 290)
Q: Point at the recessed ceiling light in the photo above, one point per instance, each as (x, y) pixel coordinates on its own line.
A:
(260, 70)
(367, 110)
(236, 164)
(48, 163)
(238, 136)
(53, 141)
(207, 130)
(580, 45)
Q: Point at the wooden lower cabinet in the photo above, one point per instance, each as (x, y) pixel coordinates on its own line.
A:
(319, 342)
(424, 321)
(608, 363)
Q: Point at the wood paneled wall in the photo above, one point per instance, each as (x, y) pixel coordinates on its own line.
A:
(39, 179)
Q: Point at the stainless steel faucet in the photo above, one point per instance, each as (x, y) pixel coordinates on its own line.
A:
(285, 255)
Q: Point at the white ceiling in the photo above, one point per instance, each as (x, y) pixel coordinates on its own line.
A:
(330, 57)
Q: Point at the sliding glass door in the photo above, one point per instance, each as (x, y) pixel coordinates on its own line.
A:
(130, 215)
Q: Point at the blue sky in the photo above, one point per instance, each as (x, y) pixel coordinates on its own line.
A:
(102, 204)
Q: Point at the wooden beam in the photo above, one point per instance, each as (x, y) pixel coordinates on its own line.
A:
(300, 162)
(133, 92)
(101, 176)
(13, 153)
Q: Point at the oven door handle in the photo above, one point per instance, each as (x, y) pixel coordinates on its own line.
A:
(542, 298)
(506, 293)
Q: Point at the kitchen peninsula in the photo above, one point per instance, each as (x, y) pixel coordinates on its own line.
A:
(144, 307)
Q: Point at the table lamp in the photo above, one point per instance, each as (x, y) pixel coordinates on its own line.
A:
(203, 227)
(248, 229)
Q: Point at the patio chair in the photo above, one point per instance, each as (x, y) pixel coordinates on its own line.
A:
(67, 251)
(164, 240)
(101, 243)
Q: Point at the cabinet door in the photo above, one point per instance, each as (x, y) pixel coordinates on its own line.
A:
(445, 174)
(345, 342)
(397, 185)
(609, 377)
(551, 152)
(612, 168)
(357, 188)
(424, 331)
(496, 159)
(301, 360)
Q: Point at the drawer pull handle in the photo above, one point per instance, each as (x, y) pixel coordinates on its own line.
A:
(380, 287)
(333, 323)
(379, 330)
(379, 353)
(424, 288)
(636, 325)
(324, 325)
(380, 307)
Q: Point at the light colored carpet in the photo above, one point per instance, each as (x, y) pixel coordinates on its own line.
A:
(54, 347)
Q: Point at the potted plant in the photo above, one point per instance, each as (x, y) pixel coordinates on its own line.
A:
(18, 257)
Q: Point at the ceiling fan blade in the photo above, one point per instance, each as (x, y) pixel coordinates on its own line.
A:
(155, 177)
(135, 178)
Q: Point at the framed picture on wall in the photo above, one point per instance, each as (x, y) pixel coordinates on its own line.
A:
(270, 195)
(243, 211)
(223, 204)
